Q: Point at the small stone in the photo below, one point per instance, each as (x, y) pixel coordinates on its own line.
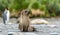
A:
(31, 29)
(53, 33)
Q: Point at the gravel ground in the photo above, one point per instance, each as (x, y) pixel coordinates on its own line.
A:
(42, 29)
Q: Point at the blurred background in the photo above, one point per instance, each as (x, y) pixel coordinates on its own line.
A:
(38, 8)
(46, 10)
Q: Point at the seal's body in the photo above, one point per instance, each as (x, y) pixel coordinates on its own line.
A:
(24, 21)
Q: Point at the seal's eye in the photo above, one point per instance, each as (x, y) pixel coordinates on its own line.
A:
(26, 11)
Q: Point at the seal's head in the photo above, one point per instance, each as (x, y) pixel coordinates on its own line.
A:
(26, 12)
